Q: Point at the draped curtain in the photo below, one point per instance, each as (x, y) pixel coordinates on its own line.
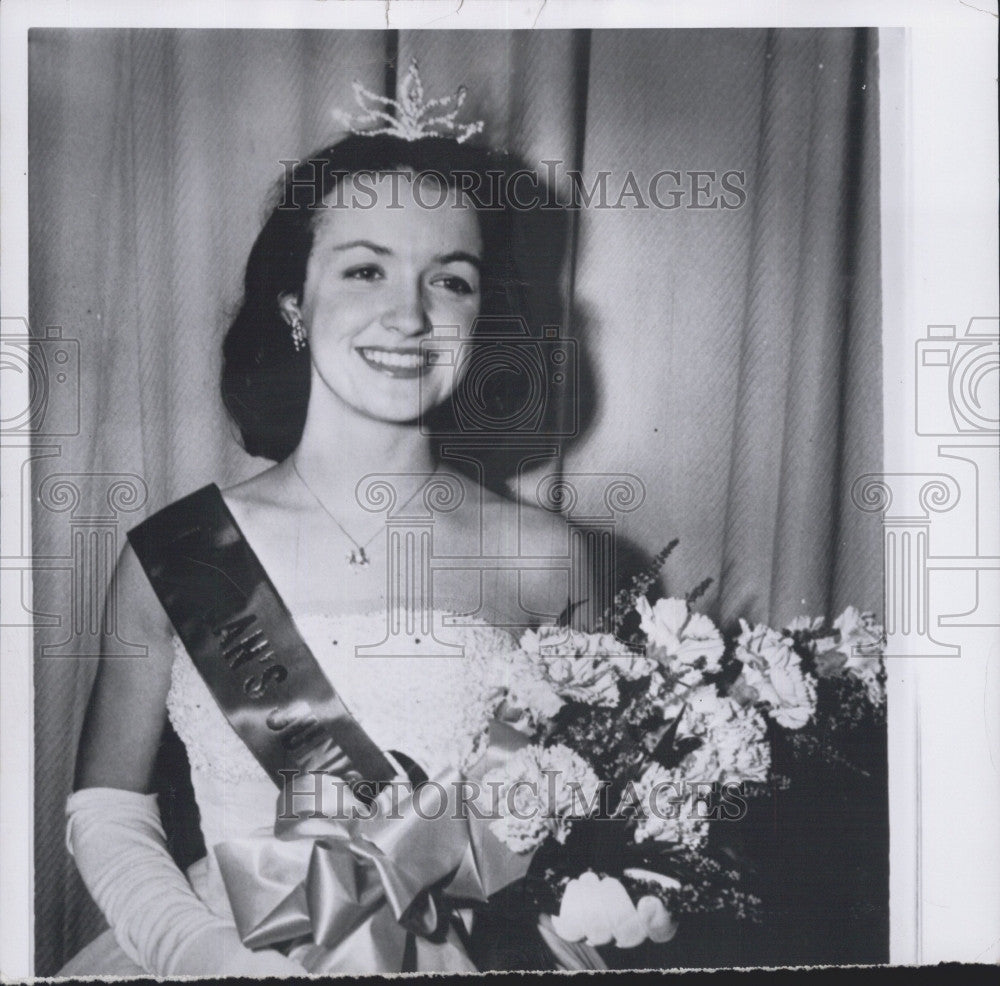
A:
(729, 358)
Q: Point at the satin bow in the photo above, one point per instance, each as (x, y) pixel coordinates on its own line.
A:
(359, 888)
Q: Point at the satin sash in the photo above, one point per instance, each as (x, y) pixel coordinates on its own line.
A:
(242, 639)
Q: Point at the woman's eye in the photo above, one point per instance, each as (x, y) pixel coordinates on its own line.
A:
(455, 284)
(366, 272)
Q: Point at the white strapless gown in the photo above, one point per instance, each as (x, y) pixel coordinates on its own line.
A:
(433, 708)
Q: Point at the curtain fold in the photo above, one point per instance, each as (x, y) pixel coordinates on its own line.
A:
(800, 329)
(729, 357)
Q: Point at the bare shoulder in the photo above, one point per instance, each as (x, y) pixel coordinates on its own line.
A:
(137, 603)
(265, 492)
(538, 531)
(544, 585)
(136, 606)
(267, 506)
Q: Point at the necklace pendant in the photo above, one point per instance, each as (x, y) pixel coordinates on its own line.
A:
(357, 558)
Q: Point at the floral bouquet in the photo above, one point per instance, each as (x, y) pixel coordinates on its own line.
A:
(646, 733)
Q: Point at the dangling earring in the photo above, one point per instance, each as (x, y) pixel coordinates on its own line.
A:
(298, 333)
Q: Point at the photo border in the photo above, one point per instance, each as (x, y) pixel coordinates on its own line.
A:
(937, 93)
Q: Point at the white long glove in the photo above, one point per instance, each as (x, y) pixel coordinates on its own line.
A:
(117, 840)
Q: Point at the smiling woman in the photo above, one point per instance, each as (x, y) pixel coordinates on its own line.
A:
(394, 254)
(349, 340)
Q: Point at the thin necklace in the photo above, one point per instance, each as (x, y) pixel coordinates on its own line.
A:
(358, 556)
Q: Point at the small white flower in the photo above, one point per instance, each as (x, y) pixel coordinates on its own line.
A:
(687, 644)
(667, 810)
(773, 673)
(862, 641)
(808, 623)
(539, 792)
(860, 635)
(734, 745)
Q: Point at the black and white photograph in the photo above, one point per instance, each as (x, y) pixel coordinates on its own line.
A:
(491, 495)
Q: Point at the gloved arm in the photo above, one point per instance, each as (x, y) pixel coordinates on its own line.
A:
(118, 842)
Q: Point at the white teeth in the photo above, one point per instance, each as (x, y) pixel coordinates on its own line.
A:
(387, 358)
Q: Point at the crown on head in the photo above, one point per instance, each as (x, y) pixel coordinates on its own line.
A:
(413, 117)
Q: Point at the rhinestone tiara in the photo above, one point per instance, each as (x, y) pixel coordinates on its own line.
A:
(412, 117)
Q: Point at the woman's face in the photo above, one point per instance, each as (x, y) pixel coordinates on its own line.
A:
(381, 280)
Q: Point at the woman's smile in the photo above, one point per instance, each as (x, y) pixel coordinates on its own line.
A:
(405, 364)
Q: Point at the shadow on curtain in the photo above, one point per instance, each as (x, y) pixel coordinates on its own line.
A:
(733, 354)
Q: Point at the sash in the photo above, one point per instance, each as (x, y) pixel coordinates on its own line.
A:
(242, 640)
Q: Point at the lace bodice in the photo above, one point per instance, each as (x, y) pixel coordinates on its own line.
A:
(433, 708)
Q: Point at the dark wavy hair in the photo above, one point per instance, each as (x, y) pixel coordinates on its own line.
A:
(265, 382)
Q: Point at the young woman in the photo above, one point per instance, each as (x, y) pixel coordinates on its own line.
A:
(326, 371)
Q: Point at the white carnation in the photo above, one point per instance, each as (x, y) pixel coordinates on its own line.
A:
(539, 791)
(688, 645)
(590, 680)
(809, 624)
(528, 691)
(580, 667)
(563, 642)
(773, 674)
(734, 746)
(631, 666)
(667, 810)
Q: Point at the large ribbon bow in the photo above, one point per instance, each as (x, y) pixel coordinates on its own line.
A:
(365, 888)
